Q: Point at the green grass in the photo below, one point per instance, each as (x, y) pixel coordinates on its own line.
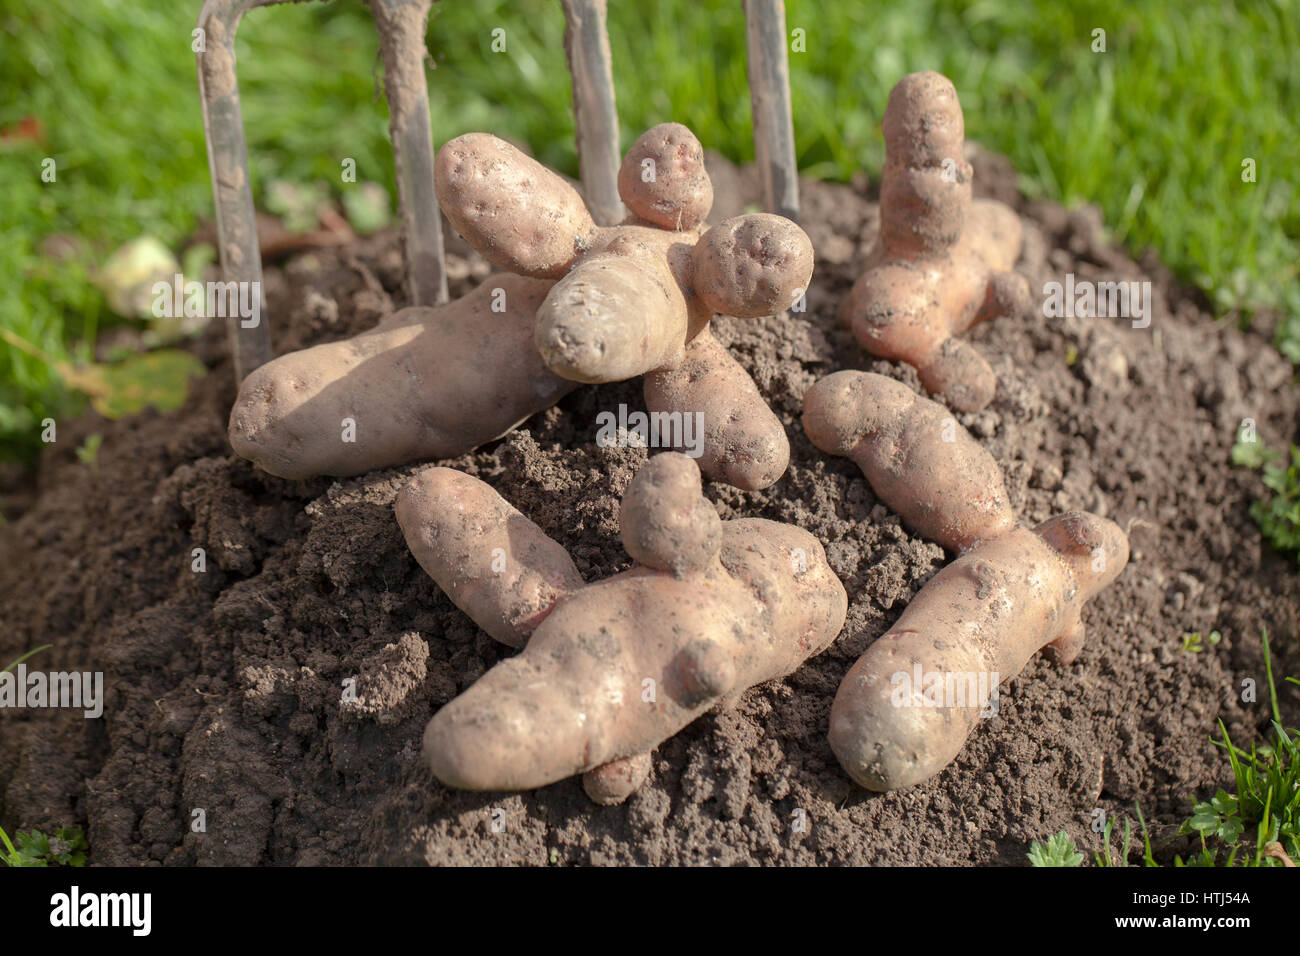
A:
(25, 657)
(1238, 828)
(1267, 794)
(1154, 130)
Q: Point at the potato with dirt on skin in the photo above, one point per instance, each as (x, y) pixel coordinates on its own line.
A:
(424, 383)
(975, 624)
(636, 299)
(739, 445)
(710, 609)
(1010, 592)
(502, 570)
(662, 179)
(943, 261)
(917, 458)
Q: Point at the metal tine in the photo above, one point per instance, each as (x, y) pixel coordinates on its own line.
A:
(586, 44)
(402, 25)
(769, 94)
(223, 127)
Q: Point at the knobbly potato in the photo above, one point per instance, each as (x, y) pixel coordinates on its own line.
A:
(618, 666)
(943, 261)
(635, 298)
(974, 625)
(906, 707)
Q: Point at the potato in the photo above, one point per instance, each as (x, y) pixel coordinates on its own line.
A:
(906, 708)
(754, 265)
(614, 782)
(495, 565)
(943, 261)
(668, 525)
(620, 313)
(517, 213)
(662, 179)
(637, 296)
(742, 440)
(424, 383)
(620, 665)
(917, 458)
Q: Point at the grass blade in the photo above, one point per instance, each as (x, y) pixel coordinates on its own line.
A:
(26, 656)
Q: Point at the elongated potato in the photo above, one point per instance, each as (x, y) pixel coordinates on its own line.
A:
(917, 458)
(517, 213)
(742, 441)
(495, 565)
(424, 383)
(905, 709)
(620, 665)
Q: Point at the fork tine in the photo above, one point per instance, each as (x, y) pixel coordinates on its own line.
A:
(769, 93)
(402, 25)
(586, 43)
(223, 127)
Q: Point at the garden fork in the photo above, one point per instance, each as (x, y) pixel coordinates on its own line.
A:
(402, 25)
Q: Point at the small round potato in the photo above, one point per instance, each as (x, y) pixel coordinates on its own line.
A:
(663, 180)
(752, 265)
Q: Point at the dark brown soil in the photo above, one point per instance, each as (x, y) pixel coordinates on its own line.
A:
(225, 686)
